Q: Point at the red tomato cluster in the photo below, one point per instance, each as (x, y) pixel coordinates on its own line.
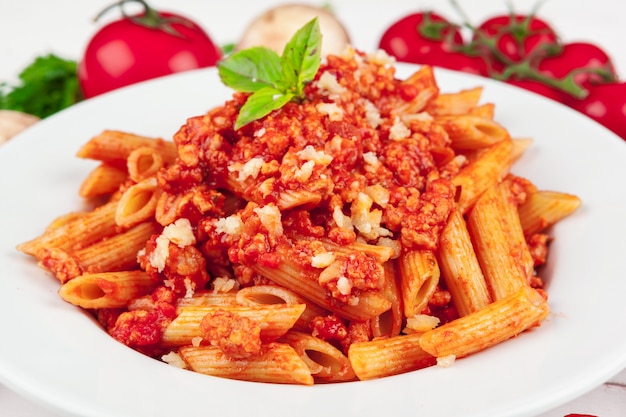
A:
(520, 49)
(143, 46)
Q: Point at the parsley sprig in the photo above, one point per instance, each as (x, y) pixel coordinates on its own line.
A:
(48, 85)
(273, 80)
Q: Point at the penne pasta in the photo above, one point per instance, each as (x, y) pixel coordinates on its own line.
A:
(77, 232)
(473, 132)
(279, 363)
(542, 209)
(458, 103)
(107, 289)
(143, 163)
(368, 305)
(499, 321)
(114, 147)
(274, 294)
(275, 321)
(419, 276)
(324, 360)
(389, 356)
(102, 180)
(481, 173)
(499, 241)
(137, 203)
(460, 268)
(390, 322)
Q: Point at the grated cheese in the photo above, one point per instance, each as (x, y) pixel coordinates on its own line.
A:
(334, 112)
(174, 359)
(231, 225)
(271, 219)
(399, 130)
(322, 260)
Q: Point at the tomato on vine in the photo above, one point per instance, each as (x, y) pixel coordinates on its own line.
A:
(587, 63)
(515, 37)
(143, 46)
(606, 104)
(422, 38)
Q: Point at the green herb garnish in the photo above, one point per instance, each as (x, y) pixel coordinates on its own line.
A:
(273, 80)
(48, 84)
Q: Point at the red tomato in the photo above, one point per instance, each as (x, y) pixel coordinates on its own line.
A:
(422, 38)
(144, 46)
(606, 104)
(539, 88)
(589, 63)
(517, 36)
(462, 62)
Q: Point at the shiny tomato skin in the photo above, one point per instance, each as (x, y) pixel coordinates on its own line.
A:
(606, 104)
(407, 39)
(471, 64)
(577, 56)
(517, 35)
(539, 88)
(124, 52)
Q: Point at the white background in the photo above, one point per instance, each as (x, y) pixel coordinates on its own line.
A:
(29, 28)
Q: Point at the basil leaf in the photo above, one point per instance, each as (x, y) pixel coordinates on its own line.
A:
(251, 69)
(261, 103)
(301, 57)
(273, 80)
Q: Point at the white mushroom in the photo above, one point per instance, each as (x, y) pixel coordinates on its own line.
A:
(276, 26)
(13, 122)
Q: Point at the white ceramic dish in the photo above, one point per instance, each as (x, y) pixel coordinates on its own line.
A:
(56, 355)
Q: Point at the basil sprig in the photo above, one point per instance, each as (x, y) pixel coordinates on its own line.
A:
(273, 80)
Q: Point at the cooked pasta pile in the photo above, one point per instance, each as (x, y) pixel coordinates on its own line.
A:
(372, 229)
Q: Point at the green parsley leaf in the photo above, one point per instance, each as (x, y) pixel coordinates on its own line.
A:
(48, 84)
(273, 80)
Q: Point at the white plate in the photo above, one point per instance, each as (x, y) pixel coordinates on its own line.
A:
(55, 354)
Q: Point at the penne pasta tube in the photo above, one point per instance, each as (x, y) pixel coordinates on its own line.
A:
(115, 146)
(542, 209)
(472, 132)
(137, 203)
(143, 163)
(499, 321)
(486, 111)
(390, 322)
(381, 253)
(461, 102)
(369, 303)
(102, 180)
(460, 268)
(75, 232)
(388, 356)
(520, 145)
(279, 363)
(499, 242)
(274, 294)
(107, 289)
(207, 298)
(275, 321)
(324, 360)
(117, 252)
(481, 173)
(114, 253)
(424, 80)
(419, 276)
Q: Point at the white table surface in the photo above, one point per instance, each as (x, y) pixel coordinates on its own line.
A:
(34, 27)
